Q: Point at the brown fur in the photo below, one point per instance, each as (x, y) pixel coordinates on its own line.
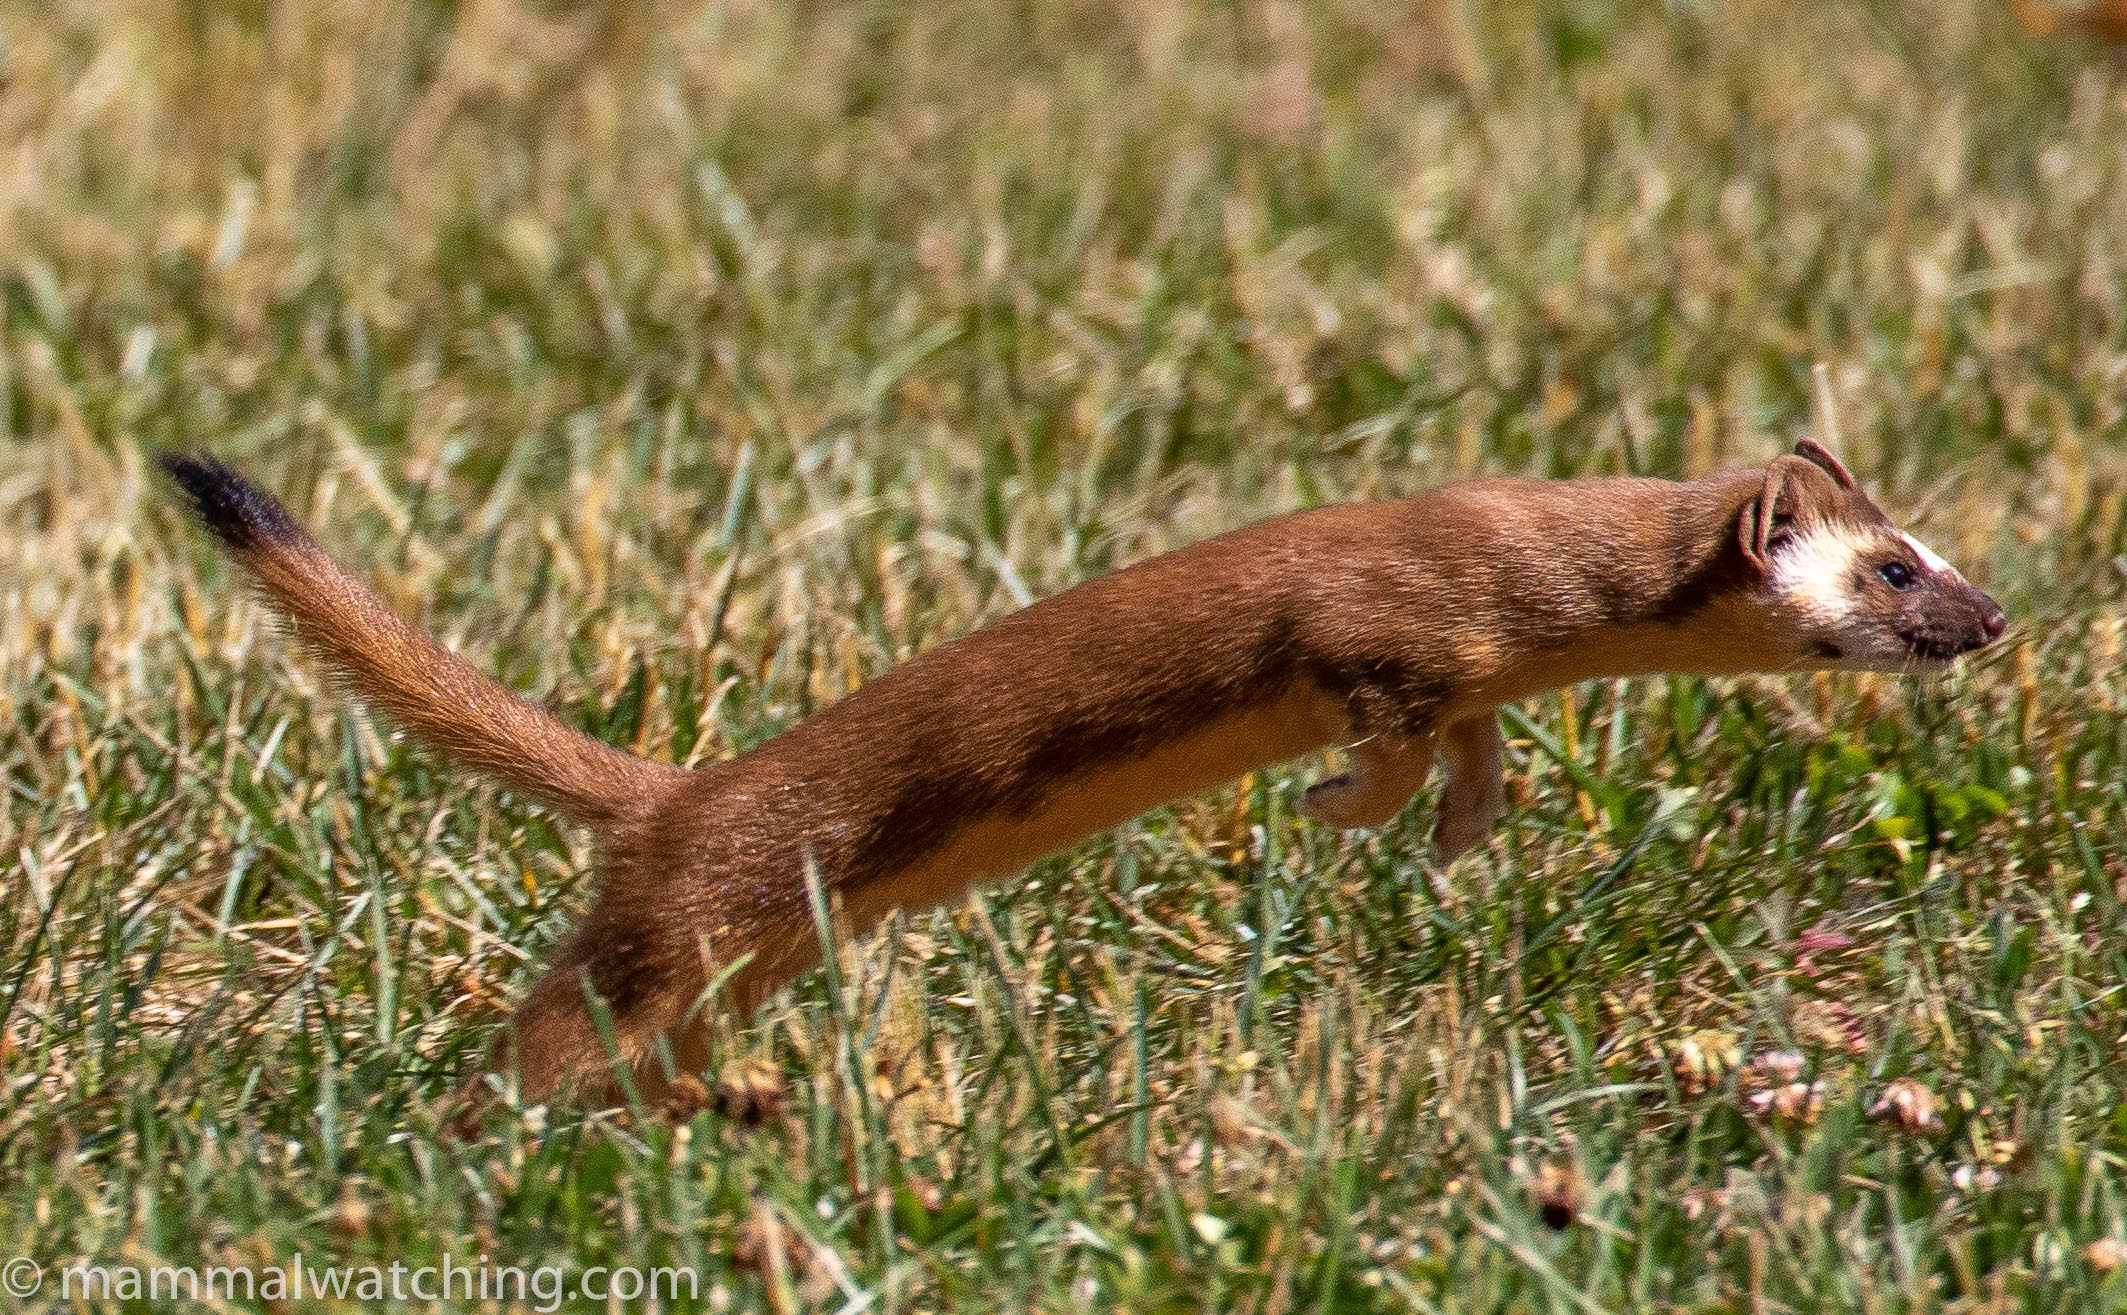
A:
(2105, 20)
(1395, 629)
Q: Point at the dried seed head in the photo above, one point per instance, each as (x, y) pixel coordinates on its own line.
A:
(1821, 940)
(1829, 1024)
(1704, 1059)
(761, 1243)
(1699, 1202)
(685, 1098)
(1557, 1195)
(750, 1091)
(1780, 1066)
(1910, 1104)
(2008, 1153)
(350, 1213)
(892, 1080)
(1233, 1123)
(1792, 1102)
(927, 1193)
(2106, 1254)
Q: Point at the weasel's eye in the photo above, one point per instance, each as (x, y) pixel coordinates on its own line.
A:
(1896, 574)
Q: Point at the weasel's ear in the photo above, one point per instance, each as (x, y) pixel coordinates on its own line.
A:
(1794, 491)
(1756, 527)
(1820, 456)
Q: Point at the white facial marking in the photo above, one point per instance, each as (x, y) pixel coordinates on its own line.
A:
(1928, 557)
(1820, 576)
(1815, 570)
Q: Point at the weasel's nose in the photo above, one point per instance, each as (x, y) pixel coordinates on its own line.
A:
(1994, 624)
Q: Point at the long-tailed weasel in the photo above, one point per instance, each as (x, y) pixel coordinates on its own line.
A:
(1392, 629)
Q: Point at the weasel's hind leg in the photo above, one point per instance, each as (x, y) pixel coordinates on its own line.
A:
(686, 1030)
(1474, 795)
(1387, 769)
(552, 1039)
(652, 985)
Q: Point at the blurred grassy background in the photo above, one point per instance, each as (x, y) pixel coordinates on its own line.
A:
(687, 363)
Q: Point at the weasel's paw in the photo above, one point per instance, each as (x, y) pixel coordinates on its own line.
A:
(1456, 832)
(1342, 801)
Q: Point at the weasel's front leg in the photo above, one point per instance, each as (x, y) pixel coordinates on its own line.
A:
(1386, 771)
(1474, 795)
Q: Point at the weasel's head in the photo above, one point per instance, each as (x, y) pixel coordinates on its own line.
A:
(1858, 593)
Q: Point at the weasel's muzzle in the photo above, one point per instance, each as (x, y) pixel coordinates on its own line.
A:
(1952, 620)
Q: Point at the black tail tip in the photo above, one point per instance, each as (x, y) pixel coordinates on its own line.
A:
(239, 512)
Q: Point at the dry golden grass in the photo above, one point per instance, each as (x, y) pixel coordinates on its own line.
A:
(690, 363)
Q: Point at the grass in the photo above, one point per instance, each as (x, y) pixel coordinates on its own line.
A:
(688, 366)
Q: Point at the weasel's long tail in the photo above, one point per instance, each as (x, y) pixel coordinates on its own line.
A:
(427, 689)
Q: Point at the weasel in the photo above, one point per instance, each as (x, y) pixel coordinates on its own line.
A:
(1394, 630)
